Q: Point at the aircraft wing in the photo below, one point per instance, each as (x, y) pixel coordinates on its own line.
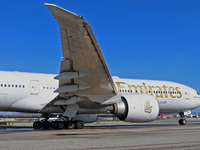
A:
(83, 70)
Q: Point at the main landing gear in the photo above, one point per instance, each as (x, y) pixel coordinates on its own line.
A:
(59, 124)
(68, 124)
(64, 123)
(182, 120)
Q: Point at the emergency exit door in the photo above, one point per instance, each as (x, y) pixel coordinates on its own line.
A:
(34, 87)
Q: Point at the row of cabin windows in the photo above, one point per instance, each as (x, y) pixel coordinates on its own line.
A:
(153, 91)
(23, 86)
(49, 88)
(16, 86)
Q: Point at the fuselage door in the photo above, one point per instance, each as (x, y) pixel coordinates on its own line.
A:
(186, 93)
(3, 99)
(35, 87)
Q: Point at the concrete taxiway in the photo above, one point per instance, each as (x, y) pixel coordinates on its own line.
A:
(160, 134)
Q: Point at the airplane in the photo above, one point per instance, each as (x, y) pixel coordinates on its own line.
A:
(84, 88)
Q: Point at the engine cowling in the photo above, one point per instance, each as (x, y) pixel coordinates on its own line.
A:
(136, 108)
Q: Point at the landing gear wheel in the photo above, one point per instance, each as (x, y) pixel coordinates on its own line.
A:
(46, 125)
(38, 125)
(34, 124)
(53, 124)
(79, 124)
(70, 125)
(182, 121)
(59, 125)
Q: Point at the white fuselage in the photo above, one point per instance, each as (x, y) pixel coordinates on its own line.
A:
(30, 92)
(172, 97)
(26, 92)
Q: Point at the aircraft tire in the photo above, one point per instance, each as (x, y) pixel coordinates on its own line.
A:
(182, 121)
(38, 125)
(46, 125)
(33, 124)
(70, 125)
(53, 124)
(79, 124)
(59, 125)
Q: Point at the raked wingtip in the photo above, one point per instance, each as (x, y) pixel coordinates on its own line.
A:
(48, 4)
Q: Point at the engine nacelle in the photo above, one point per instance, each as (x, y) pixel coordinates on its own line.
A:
(136, 108)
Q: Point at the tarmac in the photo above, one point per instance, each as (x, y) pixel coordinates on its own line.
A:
(159, 134)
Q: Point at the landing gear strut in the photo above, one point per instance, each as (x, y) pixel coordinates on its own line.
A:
(182, 120)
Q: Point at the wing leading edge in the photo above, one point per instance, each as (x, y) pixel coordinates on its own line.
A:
(83, 70)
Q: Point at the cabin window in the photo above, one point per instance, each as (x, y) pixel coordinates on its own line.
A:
(8, 85)
(23, 86)
(1, 85)
(16, 86)
(19, 86)
(5, 85)
(12, 85)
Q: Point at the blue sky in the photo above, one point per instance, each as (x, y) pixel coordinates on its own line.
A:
(139, 39)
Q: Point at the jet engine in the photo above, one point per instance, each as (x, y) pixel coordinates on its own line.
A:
(135, 108)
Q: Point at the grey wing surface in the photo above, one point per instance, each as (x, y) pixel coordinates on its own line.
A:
(83, 72)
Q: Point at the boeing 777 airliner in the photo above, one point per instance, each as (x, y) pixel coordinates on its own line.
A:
(85, 88)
